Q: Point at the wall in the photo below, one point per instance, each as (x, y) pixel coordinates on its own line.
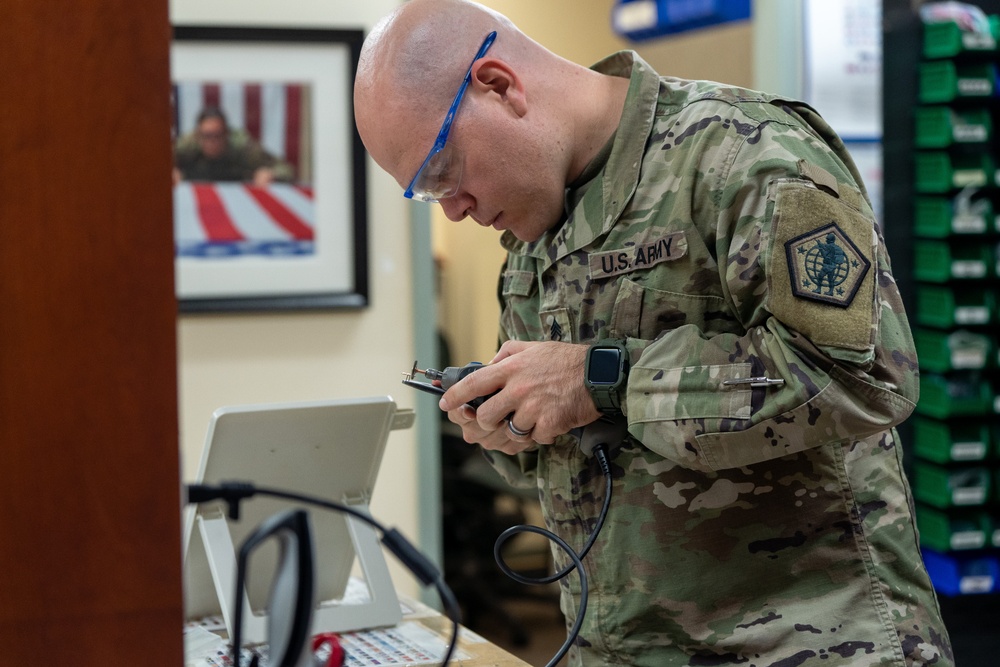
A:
(471, 256)
(276, 357)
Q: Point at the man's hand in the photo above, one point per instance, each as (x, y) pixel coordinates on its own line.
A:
(540, 387)
(263, 176)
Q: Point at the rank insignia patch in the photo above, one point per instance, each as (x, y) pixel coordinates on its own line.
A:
(825, 265)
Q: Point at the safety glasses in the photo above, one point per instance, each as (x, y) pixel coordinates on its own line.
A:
(440, 174)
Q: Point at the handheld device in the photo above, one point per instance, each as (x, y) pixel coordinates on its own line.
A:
(447, 377)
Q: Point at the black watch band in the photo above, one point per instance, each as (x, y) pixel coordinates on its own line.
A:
(606, 374)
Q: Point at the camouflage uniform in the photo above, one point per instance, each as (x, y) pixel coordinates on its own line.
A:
(242, 158)
(749, 526)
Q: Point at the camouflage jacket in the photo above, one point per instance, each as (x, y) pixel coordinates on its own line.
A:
(725, 234)
(242, 158)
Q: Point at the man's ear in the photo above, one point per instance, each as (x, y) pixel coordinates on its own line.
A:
(491, 75)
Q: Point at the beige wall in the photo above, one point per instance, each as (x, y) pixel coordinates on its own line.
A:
(579, 30)
(245, 358)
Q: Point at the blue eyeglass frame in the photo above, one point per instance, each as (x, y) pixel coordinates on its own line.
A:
(442, 137)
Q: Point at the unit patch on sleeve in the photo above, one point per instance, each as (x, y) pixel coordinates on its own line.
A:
(825, 265)
(820, 256)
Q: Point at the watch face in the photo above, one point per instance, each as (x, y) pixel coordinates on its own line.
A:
(604, 365)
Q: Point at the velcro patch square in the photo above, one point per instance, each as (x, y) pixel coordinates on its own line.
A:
(820, 265)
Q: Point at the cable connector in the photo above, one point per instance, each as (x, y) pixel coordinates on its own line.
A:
(231, 492)
(420, 565)
(601, 454)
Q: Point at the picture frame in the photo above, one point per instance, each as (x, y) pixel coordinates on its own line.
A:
(276, 219)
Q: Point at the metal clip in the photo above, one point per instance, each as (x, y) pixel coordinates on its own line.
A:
(754, 382)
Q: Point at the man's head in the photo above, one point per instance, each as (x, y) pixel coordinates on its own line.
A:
(513, 130)
(212, 133)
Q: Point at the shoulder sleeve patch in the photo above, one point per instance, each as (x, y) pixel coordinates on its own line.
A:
(820, 275)
(825, 265)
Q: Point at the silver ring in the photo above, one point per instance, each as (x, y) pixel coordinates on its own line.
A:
(516, 431)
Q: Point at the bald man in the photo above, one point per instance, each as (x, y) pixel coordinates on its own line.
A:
(666, 243)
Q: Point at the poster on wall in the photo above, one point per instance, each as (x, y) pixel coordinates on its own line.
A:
(842, 79)
(269, 173)
(842, 42)
(867, 157)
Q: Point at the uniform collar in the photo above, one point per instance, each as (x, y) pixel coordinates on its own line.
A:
(606, 197)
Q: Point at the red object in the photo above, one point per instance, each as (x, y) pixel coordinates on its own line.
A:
(281, 215)
(216, 220)
(327, 649)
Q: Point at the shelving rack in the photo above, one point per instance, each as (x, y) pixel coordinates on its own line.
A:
(941, 148)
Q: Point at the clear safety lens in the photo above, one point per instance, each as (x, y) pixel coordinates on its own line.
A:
(440, 176)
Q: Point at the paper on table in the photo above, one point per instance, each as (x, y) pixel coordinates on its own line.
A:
(408, 643)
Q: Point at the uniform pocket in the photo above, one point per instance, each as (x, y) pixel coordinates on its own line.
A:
(519, 316)
(646, 312)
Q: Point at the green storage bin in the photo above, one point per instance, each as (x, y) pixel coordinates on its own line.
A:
(957, 441)
(941, 217)
(944, 351)
(944, 81)
(950, 306)
(954, 530)
(960, 394)
(938, 172)
(940, 127)
(947, 39)
(944, 487)
(941, 261)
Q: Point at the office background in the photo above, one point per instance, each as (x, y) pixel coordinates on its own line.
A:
(196, 363)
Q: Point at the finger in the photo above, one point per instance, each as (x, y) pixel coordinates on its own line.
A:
(518, 433)
(483, 382)
(462, 415)
(506, 445)
(509, 348)
(512, 448)
(472, 432)
(489, 438)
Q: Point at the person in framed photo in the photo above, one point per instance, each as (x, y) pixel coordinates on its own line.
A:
(214, 151)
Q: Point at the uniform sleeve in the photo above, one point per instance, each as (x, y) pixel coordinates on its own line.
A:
(253, 156)
(804, 267)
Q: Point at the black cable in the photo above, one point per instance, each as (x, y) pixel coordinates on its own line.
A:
(421, 567)
(601, 452)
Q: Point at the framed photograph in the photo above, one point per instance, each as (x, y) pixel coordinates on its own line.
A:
(270, 206)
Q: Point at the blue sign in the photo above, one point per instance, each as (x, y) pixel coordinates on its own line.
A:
(639, 20)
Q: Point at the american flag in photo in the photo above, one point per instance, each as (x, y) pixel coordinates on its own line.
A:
(217, 220)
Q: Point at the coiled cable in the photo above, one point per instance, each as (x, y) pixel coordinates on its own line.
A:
(601, 453)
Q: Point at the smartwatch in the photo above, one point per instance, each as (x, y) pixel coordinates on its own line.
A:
(605, 375)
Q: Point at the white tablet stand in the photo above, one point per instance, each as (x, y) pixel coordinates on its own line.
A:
(331, 450)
